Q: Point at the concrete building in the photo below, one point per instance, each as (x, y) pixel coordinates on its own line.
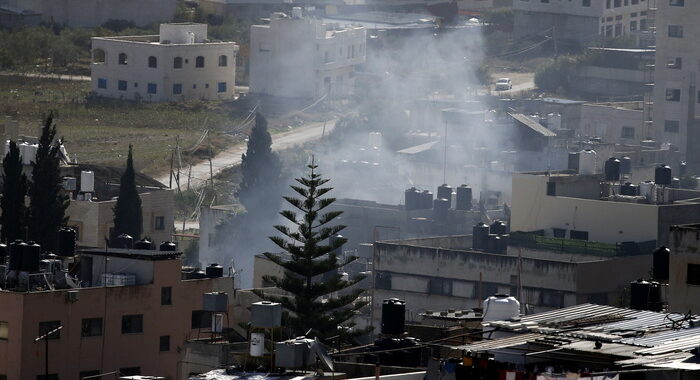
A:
(13, 17)
(684, 269)
(298, 56)
(613, 73)
(447, 273)
(93, 13)
(580, 21)
(675, 112)
(566, 205)
(180, 63)
(133, 329)
(617, 123)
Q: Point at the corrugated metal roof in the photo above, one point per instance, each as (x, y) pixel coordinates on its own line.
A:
(494, 344)
(532, 124)
(654, 340)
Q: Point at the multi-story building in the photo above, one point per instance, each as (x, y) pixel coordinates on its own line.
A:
(298, 56)
(579, 21)
(139, 327)
(676, 116)
(179, 64)
(684, 269)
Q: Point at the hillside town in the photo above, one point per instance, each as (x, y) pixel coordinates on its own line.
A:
(349, 189)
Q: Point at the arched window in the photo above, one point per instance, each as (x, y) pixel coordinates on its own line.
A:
(199, 62)
(122, 59)
(177, 63)
(99, 56)
(223, 61)
(152, 62)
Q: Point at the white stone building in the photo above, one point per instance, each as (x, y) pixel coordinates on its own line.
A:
(179, 64)
(299, 56)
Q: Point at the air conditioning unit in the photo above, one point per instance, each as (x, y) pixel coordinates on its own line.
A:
(72, 296)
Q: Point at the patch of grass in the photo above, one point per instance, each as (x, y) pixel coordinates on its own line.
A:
(100, 132)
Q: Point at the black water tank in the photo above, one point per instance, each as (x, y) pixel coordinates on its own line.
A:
(480, 234)
(463, 199)
(144, 244)
(612, 169)
(197, 275)
(675, 183)
(3, 250)
(497, 244)
(663, 175)
(661, 256)
(629, 189)
(168, 246)
(215, 271)
(625, 165)
(124, 241)
(441, 208)
(683, 169)
(498, 228)
(393, 316)
(412, 198)
(639, 295)
(426, 200)
(66, 242)
(444, 191)
(573, 161)
(15, 251)
(655, 303)
(31, 257)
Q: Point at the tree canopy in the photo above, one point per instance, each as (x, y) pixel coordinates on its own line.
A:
(14, 191)
(128, 217)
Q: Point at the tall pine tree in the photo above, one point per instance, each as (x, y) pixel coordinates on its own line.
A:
(128, 218)
(14, 191)
(261, 170)
(311, 270)
(48, 202)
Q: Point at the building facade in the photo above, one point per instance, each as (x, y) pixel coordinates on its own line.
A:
(579, 21)
(299, 56)
(133, 329)
(676, 117)
(684, 269)
(179, 64)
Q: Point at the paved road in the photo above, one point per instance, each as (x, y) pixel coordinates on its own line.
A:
(77, 78)
(232, 156)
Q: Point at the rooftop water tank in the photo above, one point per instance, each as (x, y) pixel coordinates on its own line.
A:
(444, 191)
(629, 188)
(66, 242)
(625, 165)
(587, 162)
(574, 159)
(661, 257)
(426, 200)
(3, 251)
(682, 169)
(655, 303)
(463, 200)
(639, 295)
(215, 302)
(215, 271)
(87, 181)
(612, 169)
(480, 234)
(266, 314)
(31, 257)
(167, 246)
(501, 307)
(412, 199)
(124, 241)
(143, 244)
(675, 183)
(15, 252)
(257, 344)
(663, 175)
(499, 227)
(441, 209)
(393, 316)
(296, 12)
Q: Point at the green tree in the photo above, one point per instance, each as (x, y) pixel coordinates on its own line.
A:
(261, 170)
(48, 202)
(311, 271)
(128, 218)
(14, 191)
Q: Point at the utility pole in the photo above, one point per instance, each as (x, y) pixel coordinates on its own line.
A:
(172, 158)
(211, 167)
(554, 39)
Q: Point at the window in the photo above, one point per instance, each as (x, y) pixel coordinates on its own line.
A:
(99, 56)
(160, 220)
(177, 89)
(206, 85)
(585, 3)
(627, 132)
(136, 84)
(166, 295)
(551, 189)
(199, 61)
(101, 83)
(671, 126)
(177, 63)
(130, 371)
(132, 324)
(607, 4)
(617, 3)
(676, 3)
(91, 327)
(693, 274)
(194, 85)
(675, 31)
(121, 85)
(90, 373)
(45, 327)
(633, 26)
(551, 298)
(675, 63)
(618, 17)
(123, 59)
(223, 61)
(164, 343)
(578, 235)
(383, 281)
(440, 286)
(559, 233)
(618, 30)
(152, 88)
(221, 87)
(673, 95)
(201, 319)
(4, 330)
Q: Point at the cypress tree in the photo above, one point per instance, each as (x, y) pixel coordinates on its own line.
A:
(261, 170)
(48, 202)
(128, 218)
(311, 270)
(14, 191)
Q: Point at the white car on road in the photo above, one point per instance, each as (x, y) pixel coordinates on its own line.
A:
(503, 84)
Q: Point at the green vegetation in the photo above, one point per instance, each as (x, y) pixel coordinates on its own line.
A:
(47, 201)
(14, 190)
(311, 272)
(128, 217)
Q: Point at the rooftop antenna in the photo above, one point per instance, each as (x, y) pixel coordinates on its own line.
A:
(444, 162)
